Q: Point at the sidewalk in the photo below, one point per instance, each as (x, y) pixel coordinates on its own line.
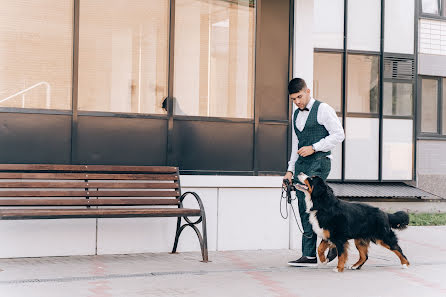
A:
(233, 273)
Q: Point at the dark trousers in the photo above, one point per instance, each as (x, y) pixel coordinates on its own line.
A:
(309, 237)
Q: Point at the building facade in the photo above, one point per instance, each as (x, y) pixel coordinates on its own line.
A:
(201, 84)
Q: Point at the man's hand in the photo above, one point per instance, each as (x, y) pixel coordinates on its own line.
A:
(288, 176)
(305, 151)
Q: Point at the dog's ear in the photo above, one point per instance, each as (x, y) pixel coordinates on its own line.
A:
(319, 187)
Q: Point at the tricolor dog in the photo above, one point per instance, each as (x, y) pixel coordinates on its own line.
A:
(337, 221)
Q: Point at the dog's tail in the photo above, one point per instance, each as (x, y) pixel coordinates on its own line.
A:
(398, 220)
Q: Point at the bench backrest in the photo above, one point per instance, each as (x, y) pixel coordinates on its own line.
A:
(88, 185)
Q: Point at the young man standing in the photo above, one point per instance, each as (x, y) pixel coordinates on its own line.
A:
(316, 131)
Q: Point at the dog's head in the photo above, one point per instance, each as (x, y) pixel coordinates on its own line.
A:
(315, 188)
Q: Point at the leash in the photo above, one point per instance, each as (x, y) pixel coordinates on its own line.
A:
(286, 194)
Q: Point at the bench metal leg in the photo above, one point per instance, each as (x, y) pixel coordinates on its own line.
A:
(202, 219)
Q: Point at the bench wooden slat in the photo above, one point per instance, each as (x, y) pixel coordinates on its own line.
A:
(89, 193)
(86, 168)
(22, 214)
(88, 176)
(87, 202)
(107, 185)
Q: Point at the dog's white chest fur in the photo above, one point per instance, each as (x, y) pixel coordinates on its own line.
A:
(313, 219)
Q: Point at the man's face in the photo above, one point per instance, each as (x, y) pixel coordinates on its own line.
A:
(301, 98)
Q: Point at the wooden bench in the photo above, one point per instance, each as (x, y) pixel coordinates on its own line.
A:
(97, 191)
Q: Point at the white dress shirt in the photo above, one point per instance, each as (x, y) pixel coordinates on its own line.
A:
(326, 116)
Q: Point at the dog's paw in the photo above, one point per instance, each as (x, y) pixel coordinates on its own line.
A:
(353, 267)
(325, 262)
(405, 266)
(336, 269)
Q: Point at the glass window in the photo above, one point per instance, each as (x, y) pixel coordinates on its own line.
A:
(399, 26)
(36, 54)
(444, 108)
(328, 28)
(397, 98)
(214, 58)
(361, 148)
(430, 6)
(362, 83)
(123, 55)
(327, 84)
(364, 25)
(429, 99)
(397, 149)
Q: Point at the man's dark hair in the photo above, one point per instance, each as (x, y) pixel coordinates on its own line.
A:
(296, 85)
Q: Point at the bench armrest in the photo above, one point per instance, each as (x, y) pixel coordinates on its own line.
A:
(200, 204)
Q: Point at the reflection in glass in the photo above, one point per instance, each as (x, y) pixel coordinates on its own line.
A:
(123, 55)
(36, 54)
(363, 84)
(397, 98)
(430, 6)
(429, 98)
(214, 58)
(327, 84)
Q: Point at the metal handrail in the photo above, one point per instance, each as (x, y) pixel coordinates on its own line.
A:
(48, 93)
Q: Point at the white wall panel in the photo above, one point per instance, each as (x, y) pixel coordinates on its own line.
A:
(141, 235)
(361, 148)
(328, 24)
(336, 162)
(399, 26)
(432, 37)
(39, 238)
(397, 149)
(303, 41)
(364, 25)
(249, 219)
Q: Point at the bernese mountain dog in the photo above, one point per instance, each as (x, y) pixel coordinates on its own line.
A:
(337, 221)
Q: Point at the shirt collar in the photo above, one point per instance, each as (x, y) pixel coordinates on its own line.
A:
(310, 103)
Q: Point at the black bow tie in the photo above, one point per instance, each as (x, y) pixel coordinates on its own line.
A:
(304, 109)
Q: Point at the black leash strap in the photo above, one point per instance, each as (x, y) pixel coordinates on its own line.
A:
(286, 194)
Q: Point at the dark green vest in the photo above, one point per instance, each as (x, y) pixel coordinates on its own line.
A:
(313, 132)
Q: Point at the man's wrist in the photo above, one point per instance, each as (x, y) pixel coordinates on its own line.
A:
(313, 147)
(292, 173)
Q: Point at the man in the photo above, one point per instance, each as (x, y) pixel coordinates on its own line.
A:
(316, 131)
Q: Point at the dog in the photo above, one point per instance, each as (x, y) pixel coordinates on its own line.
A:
(337, 221)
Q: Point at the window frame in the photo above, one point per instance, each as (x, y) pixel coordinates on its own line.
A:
(342, 54)
(441, 10)
(440, 101)
(362, 114)
(412, 81)
(400, 81)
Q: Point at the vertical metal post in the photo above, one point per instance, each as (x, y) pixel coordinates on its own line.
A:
(170, 150)
(440, 106)
(290, 76)
(344, 85)
(75, 85)
(415, 92)
(380, 107)
(255, 165)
